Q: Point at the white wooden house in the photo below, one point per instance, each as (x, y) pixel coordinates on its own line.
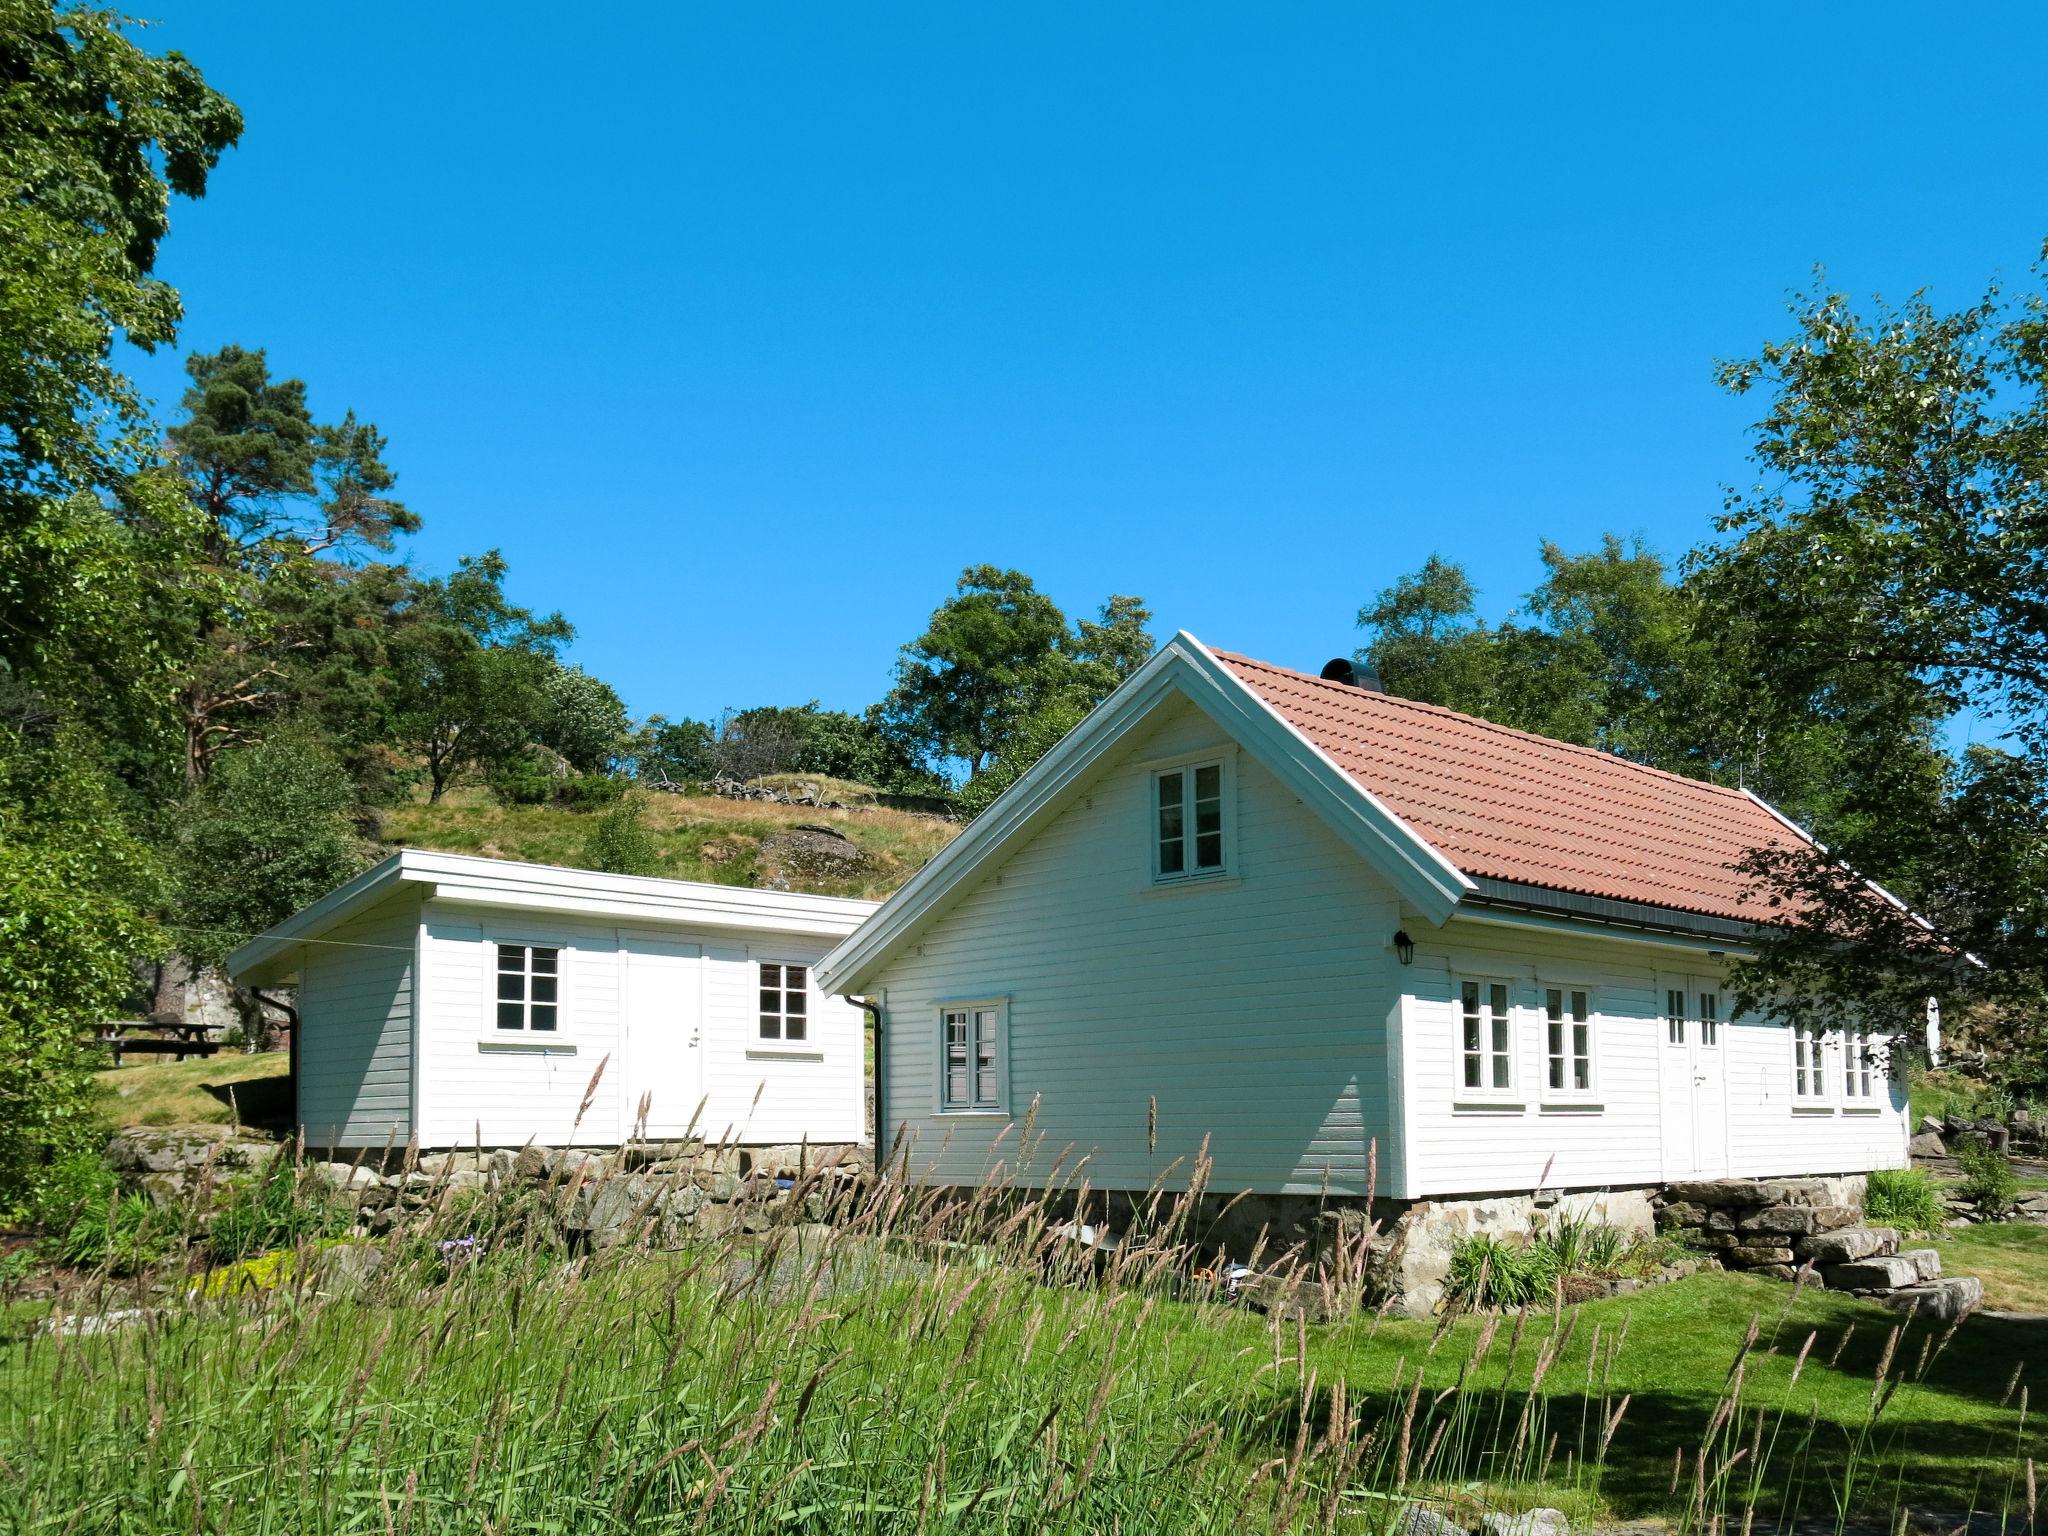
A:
(1348, 940)
(448, 1001)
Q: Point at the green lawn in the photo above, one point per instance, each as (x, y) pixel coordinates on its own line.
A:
(2011, 1258)
(226, 1089)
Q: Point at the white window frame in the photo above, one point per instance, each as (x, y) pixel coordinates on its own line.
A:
(1809, 1066)
(1185, 768)
(1709, 1028)
(1491, 1052)
(782, 1018)
(1677, 1021)
(1569, 1023)
(1864, 1081)
(975, 1104)
(524, 1030)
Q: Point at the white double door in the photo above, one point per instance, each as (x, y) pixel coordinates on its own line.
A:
(664, 1057)
(1693, 1077)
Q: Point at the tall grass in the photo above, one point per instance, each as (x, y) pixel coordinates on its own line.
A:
(927, 1362)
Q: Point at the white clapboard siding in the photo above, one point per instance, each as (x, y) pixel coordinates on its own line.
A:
(356, 1029)
(505, 1088)
(1252, 1012)
(471, 1084)
(766, 1091)
(1460, 1143)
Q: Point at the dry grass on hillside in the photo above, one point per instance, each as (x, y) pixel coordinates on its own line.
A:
(695, 837)
(227, 1089)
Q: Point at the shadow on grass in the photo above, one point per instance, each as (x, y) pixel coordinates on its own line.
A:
(262, 1103)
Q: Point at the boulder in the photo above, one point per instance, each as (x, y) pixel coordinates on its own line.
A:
(1846, 1245)
(1715, 1192)
(1878, 1273)
(569, 1163)
(1751, 1255)
(1679, 1214)
(719, 1185)
(811, 852)
(641, 1155)
(344, 1269)
(1531, 1522)
(1419, 1520)
(1926, 1262)
(345, 1178)
(1830, 1218)
(1942, 1300)
(530, 1162)
(1930, 1125)
(438, 1163)
(1927, 1144)
(185, 1148)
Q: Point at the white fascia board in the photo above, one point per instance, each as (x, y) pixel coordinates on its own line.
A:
(1184, 665)
(1606, 933)
(469, 880)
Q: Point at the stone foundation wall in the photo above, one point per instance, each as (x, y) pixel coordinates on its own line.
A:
(1763, 1225)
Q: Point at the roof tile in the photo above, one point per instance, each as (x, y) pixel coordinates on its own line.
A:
(1509, 805)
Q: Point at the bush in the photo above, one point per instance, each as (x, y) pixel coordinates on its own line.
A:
(1488, 1271)
(522, 779)
(276, 1209)
(619, 843)
(589, 791)
(1988, 1180)
(89, 1223)
(1904, 1198)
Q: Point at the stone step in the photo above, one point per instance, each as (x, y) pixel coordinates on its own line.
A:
(1942, 1300)
(1926, 1260)
(1849, 1244)
(1878, 1273)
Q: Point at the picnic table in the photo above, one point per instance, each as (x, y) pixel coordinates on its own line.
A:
(157, 1037)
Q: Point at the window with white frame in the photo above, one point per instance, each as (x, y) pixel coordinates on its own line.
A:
(972, 1041)
(529, 982)
(785, 1006)
(1568, 1042)
(1710, 1018)
(1187, 808)
(1809, 1072)
(1486, 1034)
(1861, 1073)
(1674, 1016)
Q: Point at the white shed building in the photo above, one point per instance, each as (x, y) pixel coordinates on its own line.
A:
(447, 1000)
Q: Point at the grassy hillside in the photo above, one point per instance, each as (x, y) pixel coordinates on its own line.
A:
(226, 1089)
(696, 838)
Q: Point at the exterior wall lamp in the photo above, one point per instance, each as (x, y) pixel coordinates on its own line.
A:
(1404, 947)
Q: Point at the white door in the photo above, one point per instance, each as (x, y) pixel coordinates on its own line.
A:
(664, 1065)
(1693, 1079)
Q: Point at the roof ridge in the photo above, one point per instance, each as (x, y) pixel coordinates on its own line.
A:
(1352, 694)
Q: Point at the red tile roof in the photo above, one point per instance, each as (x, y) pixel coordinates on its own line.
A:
(1502, 803)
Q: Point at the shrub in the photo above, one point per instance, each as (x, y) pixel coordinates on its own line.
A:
(619, 843)
(589, 791)
(1903, 1198)
(1988, 1180)
(276, 1209)
(89, 1223)
(1489, 1271)
(522, 780)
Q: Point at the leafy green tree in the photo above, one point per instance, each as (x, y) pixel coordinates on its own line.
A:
(471, 671)
(585, 721)
(95, 138)
(992, 654)
(270, 831)
(1426, 642)
(1889, 573)
(674, 752)
(1032, 737)
(75, 891)
(1113, 645)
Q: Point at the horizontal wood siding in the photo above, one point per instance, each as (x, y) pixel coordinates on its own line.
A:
(356, 1030)
(472, 1091)
(755, 1099)
(1253, 1011)
(1460, 1143)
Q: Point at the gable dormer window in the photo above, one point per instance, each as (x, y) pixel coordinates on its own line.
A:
(1187, 821)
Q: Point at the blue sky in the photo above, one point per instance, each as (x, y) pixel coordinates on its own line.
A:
(740, 329)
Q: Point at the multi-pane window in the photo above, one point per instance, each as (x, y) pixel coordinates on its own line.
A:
(1189, 823)
(1808, 1081)
(972, 1080)
(1569, 1042)
(1710, 1018)
(1860, 1072)
(1674, 1016)
(784, 1005)
(529, 979)
(1488, 1051)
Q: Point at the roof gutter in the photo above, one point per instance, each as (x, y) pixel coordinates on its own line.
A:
(1512, 896)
